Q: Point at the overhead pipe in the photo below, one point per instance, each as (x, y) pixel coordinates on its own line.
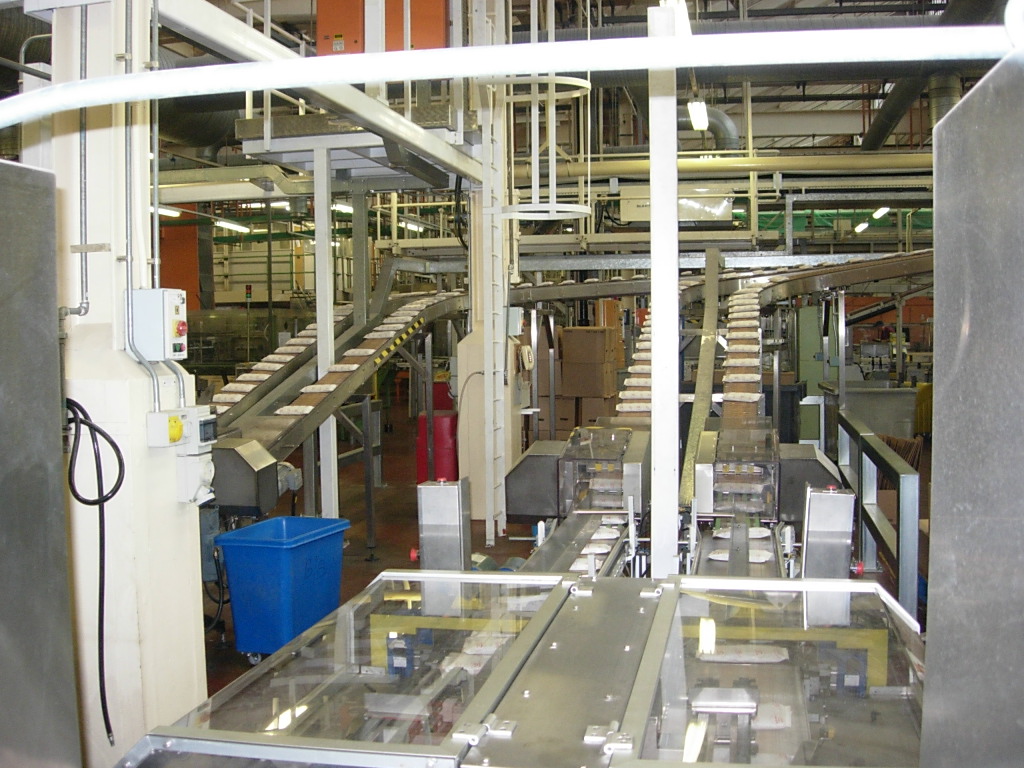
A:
(905, 92)
(944, 92)
(916, 161)
(702, 27)
(630, 78)
(734, 52)
(83, 177)
(720, 125)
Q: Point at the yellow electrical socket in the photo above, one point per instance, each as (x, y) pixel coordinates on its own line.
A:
(175, 429)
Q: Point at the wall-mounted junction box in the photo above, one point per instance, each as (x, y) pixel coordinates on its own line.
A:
(161, 325)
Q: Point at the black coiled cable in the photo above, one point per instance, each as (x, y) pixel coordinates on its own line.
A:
(81, 421)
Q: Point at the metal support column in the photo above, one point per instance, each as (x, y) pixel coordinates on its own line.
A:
(552, 357)
(899, 340)
(368, 478)
(309, 476)
(489, 27)
(428, 399)
(534, 397)
(360, 260)
(365, 434)
(324, 286)
(669, 20)
(841, 346)
(776, 392)
(271, 320)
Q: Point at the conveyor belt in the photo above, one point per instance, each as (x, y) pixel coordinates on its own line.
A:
(748, 291)
(762, 561)
(288, 402)
(576, 538)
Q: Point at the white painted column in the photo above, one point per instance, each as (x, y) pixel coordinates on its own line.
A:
(374, 41)
(154, 647)
(668, 20)
(324, 286)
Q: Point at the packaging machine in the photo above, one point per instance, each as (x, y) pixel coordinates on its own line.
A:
(588, 496)
(510, 669)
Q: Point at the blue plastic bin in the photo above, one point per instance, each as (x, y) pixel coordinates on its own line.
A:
(284, 575)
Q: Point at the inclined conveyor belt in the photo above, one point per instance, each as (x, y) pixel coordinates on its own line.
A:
(281, 401)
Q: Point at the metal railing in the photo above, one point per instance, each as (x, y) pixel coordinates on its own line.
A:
(863, 456)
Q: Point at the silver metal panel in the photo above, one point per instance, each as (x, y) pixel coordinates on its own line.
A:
(531, 486)
(245, 475)
(972, 711)
(37, 672)
(558, 696)
(444, 525)
(828, 533)
(800, 466)
(636, 470)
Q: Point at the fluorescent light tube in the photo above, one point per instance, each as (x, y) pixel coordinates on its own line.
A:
(166, 212)
(861, 227)
(880, 212)
(698, 115)
(232, 226)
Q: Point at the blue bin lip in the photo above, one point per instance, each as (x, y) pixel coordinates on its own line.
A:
(269, 533)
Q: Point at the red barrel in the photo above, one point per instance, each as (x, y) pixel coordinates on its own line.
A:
(446, 452)
(442, 397)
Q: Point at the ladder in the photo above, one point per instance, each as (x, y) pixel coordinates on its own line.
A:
(489, 28)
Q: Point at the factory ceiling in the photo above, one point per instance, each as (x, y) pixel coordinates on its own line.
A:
(777, 111)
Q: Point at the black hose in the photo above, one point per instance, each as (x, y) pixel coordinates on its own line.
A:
(221, 600)
(80, 419)
(459, 233)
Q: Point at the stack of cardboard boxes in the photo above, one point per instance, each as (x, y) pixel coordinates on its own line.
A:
(585, 377)
(586, 372)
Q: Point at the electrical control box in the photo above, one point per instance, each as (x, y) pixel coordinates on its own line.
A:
(191, 432)
(161, 324)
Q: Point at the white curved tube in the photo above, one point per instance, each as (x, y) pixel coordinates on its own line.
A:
(720, 50)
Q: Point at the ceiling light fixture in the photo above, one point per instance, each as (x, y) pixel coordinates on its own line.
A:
(342, 208)
(880, 212)
(233, 226)
(861, 227)
(698, 112)
(173, 213)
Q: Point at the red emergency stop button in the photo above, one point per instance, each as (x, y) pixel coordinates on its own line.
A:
(181, 329)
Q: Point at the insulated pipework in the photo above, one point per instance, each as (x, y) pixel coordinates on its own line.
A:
(154, 172)
(83, 229)
(129, 260)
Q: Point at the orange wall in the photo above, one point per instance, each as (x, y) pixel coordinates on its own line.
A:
(340, 25)
(916, 313)
(179, 258)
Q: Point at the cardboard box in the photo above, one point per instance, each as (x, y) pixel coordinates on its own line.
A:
(608, 313)
(620, 355)
(566, 414)
(594, 408)
(785, 378)
(589, 344)
(566, 410)
(588, 379)
(544, 380)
